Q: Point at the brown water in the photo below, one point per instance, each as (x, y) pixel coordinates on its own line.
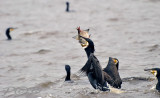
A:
(32, 64)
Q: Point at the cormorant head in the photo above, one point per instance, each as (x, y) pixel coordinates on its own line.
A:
(8, 32)
(68, 68)
(114, 61)
(10, 29)
(67, 3)
(154, 71)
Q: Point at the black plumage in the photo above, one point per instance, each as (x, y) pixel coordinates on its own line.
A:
(156, 72)
(68, 71)
(67, 6)
(112, 70)
(95, 74)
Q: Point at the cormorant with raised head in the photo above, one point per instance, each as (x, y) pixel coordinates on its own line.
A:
(68, 71)
(109, 74)
(8, 33)
(155, 72)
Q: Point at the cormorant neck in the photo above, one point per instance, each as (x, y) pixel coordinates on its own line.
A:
(8, 35)
(158, 84)
(89, 50)
(67, 9)
(68, 76)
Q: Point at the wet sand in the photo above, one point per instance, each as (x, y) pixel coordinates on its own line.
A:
(42, 45)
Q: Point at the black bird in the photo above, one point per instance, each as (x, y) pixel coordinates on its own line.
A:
(95, 74)
(67, 8)
(155, 72)
(68, 71)
(112, 70)
(109, 74)
(8, 33)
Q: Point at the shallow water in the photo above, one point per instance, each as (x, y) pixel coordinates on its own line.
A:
(32, 64)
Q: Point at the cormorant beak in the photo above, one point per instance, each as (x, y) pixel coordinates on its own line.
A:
(11, 29)
(83, 42)
(154, 72)
(115, 61)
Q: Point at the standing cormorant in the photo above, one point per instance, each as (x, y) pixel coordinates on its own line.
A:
(155, 72)
(109, 74)
(68, 71)
(8, 33)
(67, 6)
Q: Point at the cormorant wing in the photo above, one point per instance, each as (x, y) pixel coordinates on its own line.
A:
(86, 67)
(97, 69)
(108, 79)
(93, 65)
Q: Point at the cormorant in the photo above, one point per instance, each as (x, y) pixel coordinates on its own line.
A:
(68, 71)
(95, 74)
(8, 33)
(155, 72)
(112, 70)
(67, 8)
(109, 74)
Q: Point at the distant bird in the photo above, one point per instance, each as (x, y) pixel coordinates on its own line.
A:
(8, 33)
(67, 6)
(155, 72)
(109, 74)
(68, 71)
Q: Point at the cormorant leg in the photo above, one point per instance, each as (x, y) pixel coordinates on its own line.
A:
(105, 87)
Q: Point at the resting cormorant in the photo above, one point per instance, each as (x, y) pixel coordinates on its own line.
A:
(109, 74)
(8, 33)
(67, 6)
(155, 72)
(68, 71)
(112, 70)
